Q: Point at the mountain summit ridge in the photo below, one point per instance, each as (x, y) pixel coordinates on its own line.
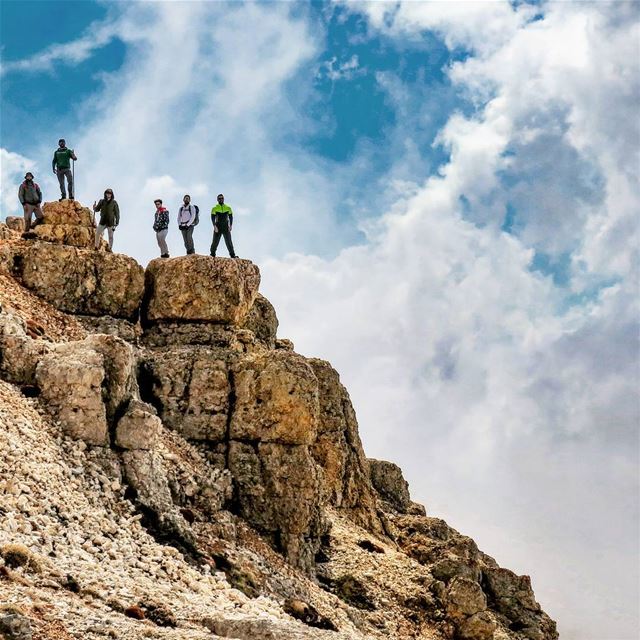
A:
(176, 470)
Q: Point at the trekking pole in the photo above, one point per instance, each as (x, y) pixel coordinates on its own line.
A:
(73, 177)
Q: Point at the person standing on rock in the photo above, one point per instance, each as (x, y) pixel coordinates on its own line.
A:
(161, 227)
(222, 218)
(61, 164)
(187, 220)
(109, 217)
(30, 197)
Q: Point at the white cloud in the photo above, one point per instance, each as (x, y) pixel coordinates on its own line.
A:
(13, 167)
(511, 413)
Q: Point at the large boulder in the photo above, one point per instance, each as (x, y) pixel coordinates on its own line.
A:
(84, 282)
(263, 321)
(339, 451)
(190, 388)
(70, 379)
(278, 489)
(66, 222)
(199, 289)
(139, 427)
(276, 399)
(19, 354)
(389, 482)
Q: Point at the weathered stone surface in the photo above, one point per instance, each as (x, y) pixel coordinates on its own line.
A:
(339, 451)
(85, 282)
(15, 223)
(124, 329)
(70, 379)
(167, 333)
(190, 388)
(479, 626)
(67, 212)
(200, 288)
(139, 427)
(465, 598)
(15, 627)
(72, 235)
(279, 490)
(120, 382)
(263, 321)
(389, 482)
(276, 399)
(19, 354)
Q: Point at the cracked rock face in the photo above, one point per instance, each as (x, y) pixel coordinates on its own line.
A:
(139, 427)
(389, 482)
(84, 282)
(199, 289)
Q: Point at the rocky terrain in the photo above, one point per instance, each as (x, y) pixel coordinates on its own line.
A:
(172, 469)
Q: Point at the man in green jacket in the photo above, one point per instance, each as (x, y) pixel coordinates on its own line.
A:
(61, 164)
(222, 218)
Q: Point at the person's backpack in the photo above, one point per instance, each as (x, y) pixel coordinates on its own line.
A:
(197, 218)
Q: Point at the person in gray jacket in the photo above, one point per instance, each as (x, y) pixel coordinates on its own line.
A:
(30, 198)
(187, 219)
(109, 217)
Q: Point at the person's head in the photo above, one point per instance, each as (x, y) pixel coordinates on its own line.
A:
(220, 198)
(158, 203)
(61, 143)
(28, 175)
(186, 199)
(108, 194)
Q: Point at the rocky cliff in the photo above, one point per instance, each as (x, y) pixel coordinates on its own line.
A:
(173, 469)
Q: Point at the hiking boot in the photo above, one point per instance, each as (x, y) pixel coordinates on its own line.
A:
(61, 199)
(165, 255)
(109, 250)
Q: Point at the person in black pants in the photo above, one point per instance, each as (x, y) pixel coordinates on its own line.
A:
(222, 218)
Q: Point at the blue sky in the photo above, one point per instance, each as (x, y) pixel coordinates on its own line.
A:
(442, 198)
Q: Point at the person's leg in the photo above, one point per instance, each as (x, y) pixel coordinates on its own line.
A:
(39, 215)
(216, 241)
(28, 210)
(227, 241)
(60, 174)
(110, 232)
(99, 231)
(69, 174)
(185, 239)
(162, 243)
(190, 247)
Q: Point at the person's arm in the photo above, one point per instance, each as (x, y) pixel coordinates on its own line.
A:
(53, 162)
(98, 206)
(39, 192)
(214, 218)
(230, 218)
(21, 194)
(116, 213)
(73, 155)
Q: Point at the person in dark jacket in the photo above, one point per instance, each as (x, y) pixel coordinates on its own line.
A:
(61, 164)
(161, 227)
(222, 218)
(30, 198)
(109, 217)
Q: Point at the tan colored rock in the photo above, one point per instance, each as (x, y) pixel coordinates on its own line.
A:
(15, 223)
(84, 282)
(339, 451)
(276, 399)
(465, 598)
(72, 235)
(479, 626)
(67, 212)
(120, 384)
(389, 482)
(279, 491)
(263, 321)
(70, 379)
(191, 389)
(19, 354)
(139, 427)
(200, 288)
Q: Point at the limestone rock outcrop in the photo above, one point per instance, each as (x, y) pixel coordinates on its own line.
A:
(66, 222)
(389, 482)
(199, 289)
(139, 427)
(83, 282)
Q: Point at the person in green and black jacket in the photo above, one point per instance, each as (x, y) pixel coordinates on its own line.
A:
(109, 217)
(61, 164)
(222, 218)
